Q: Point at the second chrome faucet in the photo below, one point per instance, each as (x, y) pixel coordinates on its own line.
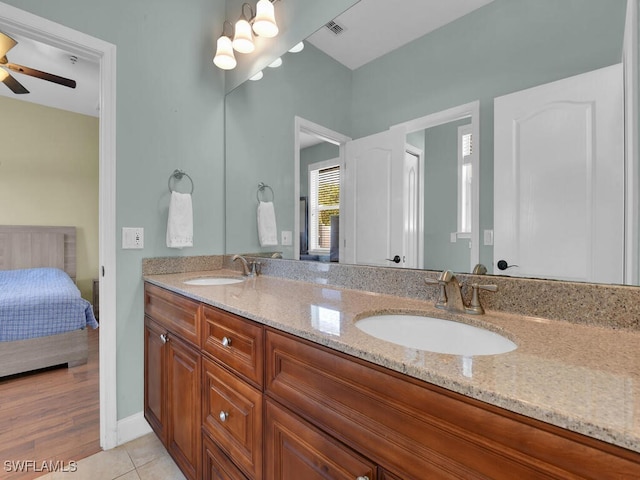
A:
(249, 269)
(450, 296)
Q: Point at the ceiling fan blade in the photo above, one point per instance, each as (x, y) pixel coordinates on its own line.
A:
(14, 85)
(50, 77)
(6, 44)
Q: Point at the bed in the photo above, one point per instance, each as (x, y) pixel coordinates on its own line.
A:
(43, 319)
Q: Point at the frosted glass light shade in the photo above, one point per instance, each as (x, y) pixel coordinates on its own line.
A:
(298, 47)
(276, 63)
(224, 58)
(257, 76)
(265, 22)
(243, 38)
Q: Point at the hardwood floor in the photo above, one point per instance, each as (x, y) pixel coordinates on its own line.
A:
(50, 415)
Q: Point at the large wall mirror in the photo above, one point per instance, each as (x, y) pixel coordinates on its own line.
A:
(495, 50)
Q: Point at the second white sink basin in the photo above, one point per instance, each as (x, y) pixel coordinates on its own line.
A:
(435, 335)
(214, 281)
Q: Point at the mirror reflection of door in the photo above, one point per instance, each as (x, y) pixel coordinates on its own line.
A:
(559, 179)
(374, 200)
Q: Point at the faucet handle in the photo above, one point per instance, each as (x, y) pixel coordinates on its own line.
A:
(442, 297)
(475, 307)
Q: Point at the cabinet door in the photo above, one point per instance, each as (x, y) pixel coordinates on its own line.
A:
(216, 465)
(155, 405)
(183, 400)
(232, 415)
(294, 449)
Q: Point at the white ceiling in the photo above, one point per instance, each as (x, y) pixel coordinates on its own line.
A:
(373, 28)
(83, 99)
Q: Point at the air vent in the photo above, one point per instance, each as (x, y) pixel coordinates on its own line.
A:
(334, 27)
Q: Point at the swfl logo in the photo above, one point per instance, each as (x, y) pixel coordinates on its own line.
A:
(40, 466)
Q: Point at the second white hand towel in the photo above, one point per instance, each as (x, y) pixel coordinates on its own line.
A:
(267, 231)
(180, 221)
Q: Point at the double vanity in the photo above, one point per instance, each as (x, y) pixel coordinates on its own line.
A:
(267, 377)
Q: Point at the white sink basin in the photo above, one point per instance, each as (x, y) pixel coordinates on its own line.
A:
(435, 335)
(214, 281)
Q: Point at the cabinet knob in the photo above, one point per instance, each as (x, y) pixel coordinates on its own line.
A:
(226, 341)
(223, 416)
(164, 338)
(362, 478)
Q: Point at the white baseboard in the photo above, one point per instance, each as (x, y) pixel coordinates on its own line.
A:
(132, 427)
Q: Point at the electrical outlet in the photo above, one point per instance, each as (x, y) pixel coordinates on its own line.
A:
(132, 238)
(286, 237)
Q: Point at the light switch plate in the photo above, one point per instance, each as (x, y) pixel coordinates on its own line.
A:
(488, 237)
(132, 238)
(286, 237)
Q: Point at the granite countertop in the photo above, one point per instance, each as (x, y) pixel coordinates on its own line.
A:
(579, 377)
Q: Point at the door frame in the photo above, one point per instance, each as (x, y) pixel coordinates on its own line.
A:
(302, 125)
(93, 49)
(469, 110)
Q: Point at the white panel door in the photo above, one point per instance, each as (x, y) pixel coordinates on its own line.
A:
(559, 179)
(373, 203)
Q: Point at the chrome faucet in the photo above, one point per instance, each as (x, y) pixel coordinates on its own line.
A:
(450, 297)
(249, 269)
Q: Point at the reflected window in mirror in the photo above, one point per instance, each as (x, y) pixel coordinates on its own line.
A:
(465, 177)
(324, 205)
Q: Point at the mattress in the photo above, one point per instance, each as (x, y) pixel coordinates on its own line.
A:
(38, 302)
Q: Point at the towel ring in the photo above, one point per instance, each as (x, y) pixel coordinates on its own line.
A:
(261, 187)
(178, 174)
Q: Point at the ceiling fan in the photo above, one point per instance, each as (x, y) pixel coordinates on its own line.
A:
(6, 44)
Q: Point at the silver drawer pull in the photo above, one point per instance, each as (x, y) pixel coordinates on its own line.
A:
(226, 342)
(223, 416)
(164, 338)
(362, 478)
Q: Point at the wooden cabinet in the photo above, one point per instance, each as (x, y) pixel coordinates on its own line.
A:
(215, 463)
(235, 342)
(232, 416)
(294, 449)
(234, 400)
(414, 430)
(172, 365)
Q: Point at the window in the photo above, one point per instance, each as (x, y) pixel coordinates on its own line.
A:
(324, 202)
(465, 175)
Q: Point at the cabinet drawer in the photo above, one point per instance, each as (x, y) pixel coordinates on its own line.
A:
(235, 342)
(175, 312)
(428, 432)
(296, 450)
(215, 464)
(232, 415)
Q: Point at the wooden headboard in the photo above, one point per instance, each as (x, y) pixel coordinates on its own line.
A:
(26, 246)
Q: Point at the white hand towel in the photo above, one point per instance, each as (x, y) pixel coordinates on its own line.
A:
(180, 221)
(267, 231)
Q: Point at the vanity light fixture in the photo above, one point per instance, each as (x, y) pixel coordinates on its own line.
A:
(262, 23)
(257, 76)
(243, 36)
(224, 58)
(276, 63)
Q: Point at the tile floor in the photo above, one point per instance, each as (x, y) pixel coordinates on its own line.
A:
(142, 459)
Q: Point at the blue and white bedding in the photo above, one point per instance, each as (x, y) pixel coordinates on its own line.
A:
(38, 302)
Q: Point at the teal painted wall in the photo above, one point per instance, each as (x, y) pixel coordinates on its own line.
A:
(170, 115)
(260, 137)
(441, 200)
